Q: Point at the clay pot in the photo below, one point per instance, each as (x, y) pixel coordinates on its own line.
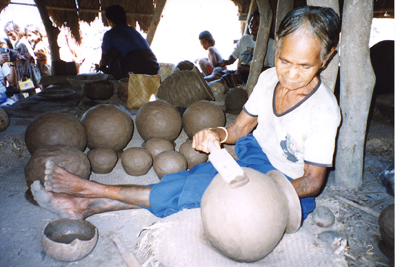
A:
(157, 145)
(4, 120)
(235, 99)
(246, 223)
(102, 160)
(184, 65)
(98, 90)
(183, 88)
(169, 162)
(192, 156)
(55, 129)
(67, 157)
(136, 161)
(386, 225)
(158, 119)
(69, 240)
(202, 115)
(107, 126)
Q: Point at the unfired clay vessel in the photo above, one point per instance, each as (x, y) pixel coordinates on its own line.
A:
(192, 156)
(67, 157)
(201, 115)
(98, 90)
(169, 162)
(158, 119)
(107, 126)
(102, 160)
(136, 161)
(157, 145)
(69, 240)
(4, 120)
(246, 223)
(235, 99)
(55, 129)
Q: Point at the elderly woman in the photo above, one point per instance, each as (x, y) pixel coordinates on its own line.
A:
(292, 112)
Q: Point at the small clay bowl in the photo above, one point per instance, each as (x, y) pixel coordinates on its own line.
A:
(68, 239)
(98, 90)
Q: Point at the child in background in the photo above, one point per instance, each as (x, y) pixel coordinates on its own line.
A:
(207, 65)
(35, 38)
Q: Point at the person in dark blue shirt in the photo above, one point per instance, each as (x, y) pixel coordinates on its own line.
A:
(124, 50)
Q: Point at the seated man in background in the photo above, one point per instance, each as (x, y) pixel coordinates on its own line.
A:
(124, 50)
(243, 52)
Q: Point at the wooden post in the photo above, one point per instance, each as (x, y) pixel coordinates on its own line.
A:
(357, 80)
(282, 8)
(329, 75)
(155, 20)
(52, 32)
(261, 44)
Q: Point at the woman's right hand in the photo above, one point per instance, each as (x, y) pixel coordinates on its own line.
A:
(201, 138)
(4, 58)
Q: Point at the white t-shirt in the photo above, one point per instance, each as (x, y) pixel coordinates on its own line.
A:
(304, 134)
(4, 72)
(244, 51)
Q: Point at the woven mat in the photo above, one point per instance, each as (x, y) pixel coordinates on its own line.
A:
(178, 240)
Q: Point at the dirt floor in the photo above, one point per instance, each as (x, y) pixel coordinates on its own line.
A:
(22, 223)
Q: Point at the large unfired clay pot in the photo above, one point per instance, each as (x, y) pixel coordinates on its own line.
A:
(107, 126)
(55, 129)
(201, 115)
(246, 223)
(67, 157)
(158, 119)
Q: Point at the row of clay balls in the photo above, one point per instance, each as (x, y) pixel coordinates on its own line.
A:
(106, 130)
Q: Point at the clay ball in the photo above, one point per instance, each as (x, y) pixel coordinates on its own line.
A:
(158, 119)
(136, 161)
(4, 120)
(67, 157)
(386, 225)
(102, 160)
(201, 115)
(169, 162)
(107, 126)
(157, 145)
(55, 129)
(184, 65)
(192, 156)
(235, 99)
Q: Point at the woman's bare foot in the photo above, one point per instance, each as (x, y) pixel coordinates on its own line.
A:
(58, 180)
(62, 204)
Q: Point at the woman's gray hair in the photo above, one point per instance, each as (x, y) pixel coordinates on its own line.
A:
(322, 22)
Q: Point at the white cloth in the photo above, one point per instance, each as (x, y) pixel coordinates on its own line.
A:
(4, 72)
(244, 51)
(304, 134)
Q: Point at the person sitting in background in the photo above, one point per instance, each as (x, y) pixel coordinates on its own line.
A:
(35, 37)
(7, 74)
(208, 64)
(124, 50)
(26, 67)
(243, 52)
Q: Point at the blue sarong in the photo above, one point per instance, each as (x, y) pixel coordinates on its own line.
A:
(184, 190)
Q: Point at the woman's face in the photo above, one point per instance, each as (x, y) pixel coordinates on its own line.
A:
(32, 37)
(298, 61)
(11, 35)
